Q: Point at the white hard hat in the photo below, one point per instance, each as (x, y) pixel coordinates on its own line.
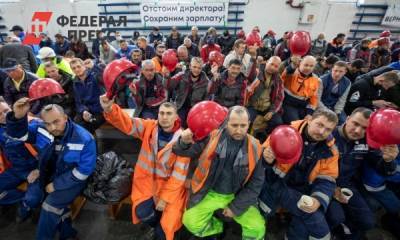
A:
(46, 52)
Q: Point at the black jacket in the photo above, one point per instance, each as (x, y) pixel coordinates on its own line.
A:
(11, 94)
(23, 54)
(363, 91)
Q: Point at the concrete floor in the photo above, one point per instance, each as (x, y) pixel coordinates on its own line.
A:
(94, 223)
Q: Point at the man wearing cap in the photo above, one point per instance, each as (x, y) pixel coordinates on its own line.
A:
(227, 179)
(47, 54)
(311, 173)
(22, 53)
(67, 157)
(17, 84)
(18, 31)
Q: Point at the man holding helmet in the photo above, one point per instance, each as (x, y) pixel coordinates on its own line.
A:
(228, 178)
(158, 191)
(352, 217)
(301, 173)
(67, 157)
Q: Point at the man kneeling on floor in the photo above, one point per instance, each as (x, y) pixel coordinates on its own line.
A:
(228, 177)
(158, 190)
(67, 156)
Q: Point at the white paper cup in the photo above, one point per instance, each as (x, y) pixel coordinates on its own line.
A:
(347, 193)
(305, 201)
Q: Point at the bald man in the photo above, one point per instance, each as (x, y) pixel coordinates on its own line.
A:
(265, 97)
(301, 89)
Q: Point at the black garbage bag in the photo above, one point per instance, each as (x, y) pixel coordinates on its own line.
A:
(111, 181)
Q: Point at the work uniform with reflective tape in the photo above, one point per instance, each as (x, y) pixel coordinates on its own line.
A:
(301, 96)
(314, 175)
(65, 161)
(228, 175)
(379, 184)
(159, 173)
(17, 160)
(355, 217)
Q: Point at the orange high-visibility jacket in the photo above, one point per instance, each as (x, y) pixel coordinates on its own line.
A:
(302, 88)
(203, 168)
(159, 174)
(325, 167)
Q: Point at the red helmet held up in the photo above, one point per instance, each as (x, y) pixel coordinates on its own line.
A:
(216, 57)
(385, 33)
(169, 59)
(204, 117)
(383, 128)
(300, 43)
(287, 144)
(253, 38)
(44, 87)
(115, 73)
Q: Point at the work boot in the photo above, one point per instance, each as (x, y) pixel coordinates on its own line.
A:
(23, 213)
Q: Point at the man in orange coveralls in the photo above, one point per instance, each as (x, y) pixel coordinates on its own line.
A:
(158, 190)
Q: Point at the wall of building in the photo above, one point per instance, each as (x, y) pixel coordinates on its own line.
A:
(331, 17)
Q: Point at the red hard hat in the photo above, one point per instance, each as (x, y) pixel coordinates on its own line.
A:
(287, 144)
(44, 87)
(385, 33)
(204, 117)
(114, 71)
(300, 43)
(241, 34)
(216, 57)
(169, 59)
(383, 128)
(253, 38)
